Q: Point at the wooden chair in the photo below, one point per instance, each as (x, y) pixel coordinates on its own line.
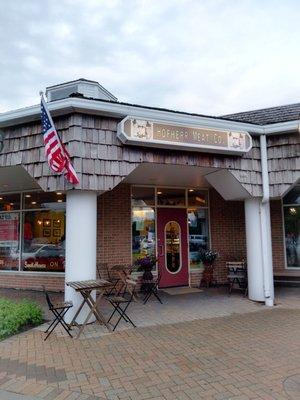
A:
(103, 272)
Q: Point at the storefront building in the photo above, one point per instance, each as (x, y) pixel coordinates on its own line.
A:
(147, 175)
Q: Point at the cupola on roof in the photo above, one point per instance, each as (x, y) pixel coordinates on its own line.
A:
(80, 87)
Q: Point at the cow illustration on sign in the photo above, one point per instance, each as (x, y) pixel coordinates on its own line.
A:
(236, 140)
(142, 129)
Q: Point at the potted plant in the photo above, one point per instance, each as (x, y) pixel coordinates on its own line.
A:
(207, 257)
(146, 264)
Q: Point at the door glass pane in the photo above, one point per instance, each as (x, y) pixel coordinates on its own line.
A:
(43, 241)
(198, 234)
(292, 236)
(172, 243)
(9, 241)
(170, 197)
(143, 232)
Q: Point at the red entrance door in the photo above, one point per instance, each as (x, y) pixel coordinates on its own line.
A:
(172, 246)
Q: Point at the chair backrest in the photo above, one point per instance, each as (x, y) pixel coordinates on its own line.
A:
(49, 302)
(102, 270)
(130, 288)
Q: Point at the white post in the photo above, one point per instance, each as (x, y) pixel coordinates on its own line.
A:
(254, 253)
(259, 251)
(81, 237)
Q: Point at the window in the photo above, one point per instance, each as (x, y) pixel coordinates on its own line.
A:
(32, 231)
(291, 212)
(43, 247)
(143, 232)
(171, 197)
(9, 240)
(198, 234)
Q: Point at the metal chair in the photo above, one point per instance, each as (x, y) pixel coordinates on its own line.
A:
(121, 303)
(58, 310)
(152, 289)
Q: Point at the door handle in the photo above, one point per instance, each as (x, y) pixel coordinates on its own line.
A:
(161, 246)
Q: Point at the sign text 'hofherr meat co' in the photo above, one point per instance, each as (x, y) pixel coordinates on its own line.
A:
(159, 134)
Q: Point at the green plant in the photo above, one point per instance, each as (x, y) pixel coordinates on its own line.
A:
(16, 315)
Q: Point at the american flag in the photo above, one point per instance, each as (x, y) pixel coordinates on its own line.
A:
(55, 151)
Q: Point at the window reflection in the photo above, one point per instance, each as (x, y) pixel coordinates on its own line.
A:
(9, 241)
(170, 197)
(292, 235)
(198, 234)
(143, 232)
(172, 240)
(142, 196)
(9, 202)
(34, 200)
(197, 198)
(44, 241)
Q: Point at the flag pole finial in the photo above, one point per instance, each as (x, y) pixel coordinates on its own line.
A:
(41, 93)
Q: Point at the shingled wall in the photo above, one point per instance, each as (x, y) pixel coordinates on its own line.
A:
(102, 161)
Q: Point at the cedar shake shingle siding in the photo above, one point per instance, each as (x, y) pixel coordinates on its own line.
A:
(102, 161)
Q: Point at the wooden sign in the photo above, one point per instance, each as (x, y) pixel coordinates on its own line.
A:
(151, 133)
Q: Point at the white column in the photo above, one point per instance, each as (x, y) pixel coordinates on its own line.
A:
(81, 237)
(259, 251)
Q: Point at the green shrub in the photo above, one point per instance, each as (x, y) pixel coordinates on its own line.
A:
(16, 315)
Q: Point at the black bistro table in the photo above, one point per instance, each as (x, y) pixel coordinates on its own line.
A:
(85, 288)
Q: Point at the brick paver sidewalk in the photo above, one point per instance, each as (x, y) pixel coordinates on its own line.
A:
(254, 355)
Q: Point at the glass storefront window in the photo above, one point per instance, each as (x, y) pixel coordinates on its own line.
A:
(34, 200)
(9, 202)
(198, 234)
(143, 196)
(291, 208)
(171, 197)
(43, 247)
(143, 232)
(197, 198)
(9, 241)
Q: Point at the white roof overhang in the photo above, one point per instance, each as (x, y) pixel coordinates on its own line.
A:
(120, 110)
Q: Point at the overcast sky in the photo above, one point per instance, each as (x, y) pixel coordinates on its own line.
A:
(211, 57)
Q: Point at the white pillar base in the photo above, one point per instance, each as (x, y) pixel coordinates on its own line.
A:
(81, 238)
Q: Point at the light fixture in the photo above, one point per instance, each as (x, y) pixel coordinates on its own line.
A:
(33, 202)
(58, 193)
(159, 192)
(1, 198)
(39, 222)
(293, 211)
(191, 190)
(28, 196)
(11, 204)
(59, 201)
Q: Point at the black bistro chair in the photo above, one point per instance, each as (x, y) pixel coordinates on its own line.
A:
(152, 289)
(121, 302)
(58, 310)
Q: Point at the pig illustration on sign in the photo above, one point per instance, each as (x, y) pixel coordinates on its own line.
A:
(142, 129)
